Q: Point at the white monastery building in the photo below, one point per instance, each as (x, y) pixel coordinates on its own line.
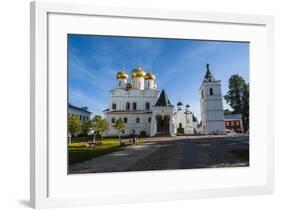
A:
(146, 111)
(82, 112)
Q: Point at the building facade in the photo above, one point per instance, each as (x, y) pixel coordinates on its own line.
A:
(143, 109)
(233, 123)
(82, 112)
(211, 104)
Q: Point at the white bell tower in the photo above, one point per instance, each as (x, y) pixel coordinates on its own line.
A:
(212, 114)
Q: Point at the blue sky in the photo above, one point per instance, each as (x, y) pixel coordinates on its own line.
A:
(179, 66)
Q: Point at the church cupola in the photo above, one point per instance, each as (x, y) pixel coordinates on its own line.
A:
(150, 80)
(187, 108)
(138, 78)
(179, 105)
(208, 76)
(122, 78)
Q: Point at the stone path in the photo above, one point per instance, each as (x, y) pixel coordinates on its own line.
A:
(117, 161)
(164, 153)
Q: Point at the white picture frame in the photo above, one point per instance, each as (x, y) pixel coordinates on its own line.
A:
(42, 176)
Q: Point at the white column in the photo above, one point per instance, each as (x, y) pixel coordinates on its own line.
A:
(153, 126)
(172, 126)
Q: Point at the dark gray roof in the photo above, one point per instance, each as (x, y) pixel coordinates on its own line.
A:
(187, 105)
(233, 116)
(180, 103)
(209, 76)
(163, 100)
(84, 109)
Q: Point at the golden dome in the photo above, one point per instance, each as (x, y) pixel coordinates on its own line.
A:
(149, 76)
(129, 86)
(138, 72)
(122, 75)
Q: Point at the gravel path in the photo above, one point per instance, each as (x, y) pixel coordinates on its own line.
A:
(181, 153)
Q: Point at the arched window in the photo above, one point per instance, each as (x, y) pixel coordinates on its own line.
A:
(147, 105)
(137, 120)
(180, 125)
(113, 120)
(127, 105)
(211, 91)
(113, 106)
(134, 105)
(119, 83)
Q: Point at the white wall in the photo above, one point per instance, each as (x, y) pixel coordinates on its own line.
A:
(14, 87)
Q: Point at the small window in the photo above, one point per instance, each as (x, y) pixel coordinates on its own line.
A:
(134, 105)
(137, 120)
(113, 106)
(125, 119)
(113, 120)
(232, 123)
(237, 123)
(119, 83)
(80, 117)
(149, 119)
(227, 123)
(202, 95)
(211, 91)
(127, 105)
(147, 105)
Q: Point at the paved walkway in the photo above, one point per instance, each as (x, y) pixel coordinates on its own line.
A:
(117, 161)
(162, 153)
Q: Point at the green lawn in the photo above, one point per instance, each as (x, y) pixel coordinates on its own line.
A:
(80, 154)
(243, 154)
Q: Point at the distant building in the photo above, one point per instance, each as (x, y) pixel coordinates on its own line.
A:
(82, 112)
(184, 119)
(233, 122)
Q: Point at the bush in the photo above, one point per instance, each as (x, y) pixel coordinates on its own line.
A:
(78, 145)
(108, 143)
(180, 130)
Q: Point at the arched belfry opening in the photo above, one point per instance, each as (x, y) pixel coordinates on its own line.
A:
(163, 125)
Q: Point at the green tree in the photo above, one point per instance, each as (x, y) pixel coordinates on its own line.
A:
(74, 126)
(246, 110)
(238, 98)
(94, 125)
(227, 111)
(86, 127)
(102, 126)
(120, 126)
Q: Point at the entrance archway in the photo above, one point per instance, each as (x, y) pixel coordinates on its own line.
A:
(163, 125)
